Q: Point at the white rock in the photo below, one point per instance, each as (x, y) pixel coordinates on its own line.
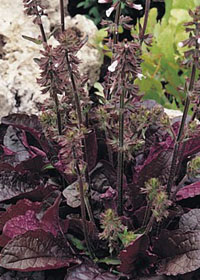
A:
(173, 113)
(17, 68)
(6, 99)
(18, 71)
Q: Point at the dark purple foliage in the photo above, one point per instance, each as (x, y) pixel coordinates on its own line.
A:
(36, 250)
(21, 207)
(156, 165)
(32, 125)
(179, 251)
(91, 149)
(135, 253)
(192, 145)
(189, 191)
(30, 216)
(190, 220)
(18, 275)
(89, 272)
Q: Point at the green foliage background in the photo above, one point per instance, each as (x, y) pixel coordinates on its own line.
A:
(162, 62)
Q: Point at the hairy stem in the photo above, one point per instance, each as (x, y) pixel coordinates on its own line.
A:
(146, 15)
(59, 121)
(117, 17)
(83, 212)
(120, 167)
(75, 92)
(56, 101)
(180, 132)
(43, 34)
(55, 97)
(80, 122)
(62, 15)
(87, 179)
(115, 41)
(110, 155)
(44, 38)
(147, 213)
(150, 224)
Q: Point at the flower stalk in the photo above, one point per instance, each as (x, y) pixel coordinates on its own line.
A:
(74, 91)
(189, 88)
(62, 15)
(120, 166)
(146, 15)
(84, 200)
(82, 195)
(117, 17)
(180, 134)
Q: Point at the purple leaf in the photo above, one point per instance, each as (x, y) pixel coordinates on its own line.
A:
(18, 275)
(34, 164)
(32, 125)
(131, 253)
(21, 207)
(13, 141)
(29, 124)
(14, 185)
(134, 199)
(188, 191)
(76, 226)
(6, 167)
(179, 250)
(139, 216)
(103, 175)
(25, 122)
(72, 195)
(39, 193)
(190, 220)
(21, 224)
(4, 239)
(50, 220)
(89, 272)
(156, 165)
(36, 250)
(91, 149)
(155, 277)
(192, 146)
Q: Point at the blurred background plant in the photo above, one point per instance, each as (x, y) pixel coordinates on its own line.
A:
(162, 61)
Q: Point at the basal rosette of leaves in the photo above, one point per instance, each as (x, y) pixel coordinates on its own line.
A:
(39, 222)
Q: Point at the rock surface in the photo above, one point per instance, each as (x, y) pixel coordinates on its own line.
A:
(173, 113)
(19, 91)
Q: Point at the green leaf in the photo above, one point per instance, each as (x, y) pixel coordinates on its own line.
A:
(48, 166)
(93, 12)
(100, 35)
(168, 7)
(76, 242)
(81, 4)
(184, 4)
(109, 261)
(34, 40)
